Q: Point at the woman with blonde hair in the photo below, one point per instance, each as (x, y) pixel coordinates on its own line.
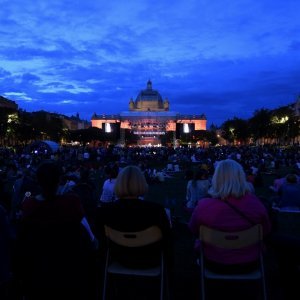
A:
(228, 180)
(232, 207)
(131, 213)
(131, 183)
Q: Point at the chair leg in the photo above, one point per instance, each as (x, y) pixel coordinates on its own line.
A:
(264, 290)
(104, 287)
(161, 287)
(263, 279)
(162, 279)
(202, 277)
(202, 289)
(105, 279)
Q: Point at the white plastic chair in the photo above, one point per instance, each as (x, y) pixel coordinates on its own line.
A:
(143, 238)
(231, 241)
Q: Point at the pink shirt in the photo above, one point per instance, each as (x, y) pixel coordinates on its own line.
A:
(217, 214)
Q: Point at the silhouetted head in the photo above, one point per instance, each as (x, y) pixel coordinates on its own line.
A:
(291, 178)
(201, 174)
(114, 171)
(48, 176)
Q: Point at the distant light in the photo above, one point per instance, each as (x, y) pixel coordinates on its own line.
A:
(107, 127)
(186, 128)
(278, 120)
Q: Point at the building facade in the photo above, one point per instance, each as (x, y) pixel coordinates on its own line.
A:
(150, 119)
(6, 103)
(74, 122)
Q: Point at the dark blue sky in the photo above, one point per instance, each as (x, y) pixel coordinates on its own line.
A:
(223, 58)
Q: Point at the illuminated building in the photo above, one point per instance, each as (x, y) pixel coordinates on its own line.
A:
(150, 119)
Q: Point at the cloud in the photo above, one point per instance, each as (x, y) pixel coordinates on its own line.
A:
(215, 57)
(28, 77)
(70, 88)
(4, 73)
(19, 96)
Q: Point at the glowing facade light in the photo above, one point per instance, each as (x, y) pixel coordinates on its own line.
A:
(107, 127)
(186, 128)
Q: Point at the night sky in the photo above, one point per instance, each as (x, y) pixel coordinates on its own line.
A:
(223, 58)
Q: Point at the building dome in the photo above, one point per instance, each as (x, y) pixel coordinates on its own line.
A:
(149, 99)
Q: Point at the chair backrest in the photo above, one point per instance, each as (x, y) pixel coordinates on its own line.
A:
(134, 239)
(231, 240)
(287, 221)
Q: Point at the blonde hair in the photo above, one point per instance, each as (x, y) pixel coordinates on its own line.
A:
(130, 183)
(229, 179)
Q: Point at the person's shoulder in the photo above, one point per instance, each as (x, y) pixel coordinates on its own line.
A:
(32, 201)
(207, 202)
(109, 181)
(149, 205)
(106, 181)
(250, 196)
(252, 201)
(32, 205)
(202, 182)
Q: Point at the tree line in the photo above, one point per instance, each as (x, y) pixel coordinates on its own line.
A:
(280, 126)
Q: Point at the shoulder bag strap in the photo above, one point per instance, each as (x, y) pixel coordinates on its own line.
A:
(239, 212)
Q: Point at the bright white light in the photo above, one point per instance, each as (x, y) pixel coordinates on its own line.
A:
(186, 128)
(107, 127)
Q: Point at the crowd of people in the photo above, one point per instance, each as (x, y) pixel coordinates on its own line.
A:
(53, 209)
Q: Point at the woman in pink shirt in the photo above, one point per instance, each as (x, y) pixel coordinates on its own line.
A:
(232, 207)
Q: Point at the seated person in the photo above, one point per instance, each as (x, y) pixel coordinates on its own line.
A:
(197, 188)
(108, 194)
(53, 245)
(278, 182)
(289, 193)
(130, 213)
(233, 207)
(285, 240)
